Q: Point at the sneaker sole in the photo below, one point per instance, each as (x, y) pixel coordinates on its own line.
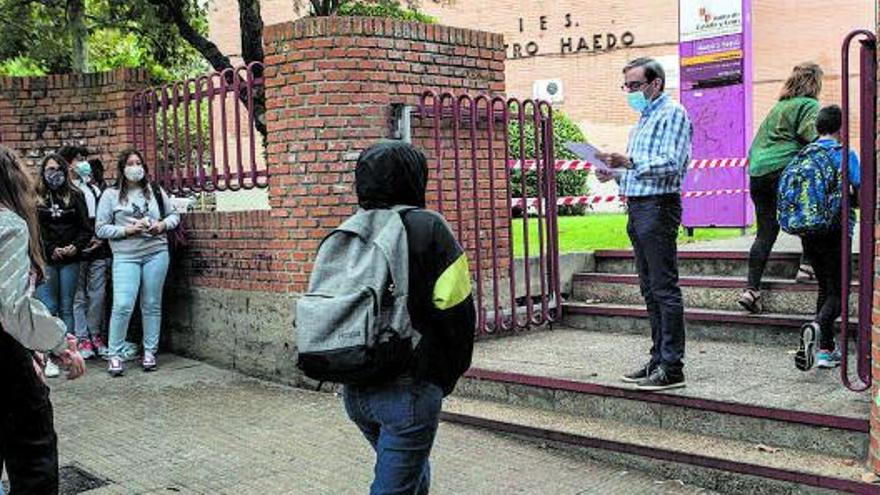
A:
(656, 388)
(116, 374)
(625, 379)
(805, 357)
(827, 366)
(149, 369)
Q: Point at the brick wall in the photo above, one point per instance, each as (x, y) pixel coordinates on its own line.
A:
(330, 85)
(40, 114)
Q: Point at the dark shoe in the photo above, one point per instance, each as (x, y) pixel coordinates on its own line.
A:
(805, 357)
(751, 301)
(639, 375)
(661, 379)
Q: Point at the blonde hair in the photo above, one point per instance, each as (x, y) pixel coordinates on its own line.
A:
(805, 80)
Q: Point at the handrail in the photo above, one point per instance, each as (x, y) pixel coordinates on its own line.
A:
(868, 199)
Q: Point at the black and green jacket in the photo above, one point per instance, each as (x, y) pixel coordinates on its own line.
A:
(441, 305)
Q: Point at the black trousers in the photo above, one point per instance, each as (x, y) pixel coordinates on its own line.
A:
(653, 229)
(764, 190)
(28, 444)
(824, 253)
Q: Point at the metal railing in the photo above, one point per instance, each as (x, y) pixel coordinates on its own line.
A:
(200, 135)
(470, 148)
(868, 203)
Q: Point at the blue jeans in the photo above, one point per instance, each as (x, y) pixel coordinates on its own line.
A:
(653, 229)
(57, 291)
(90, 299)
(132, 276)
(400, 422)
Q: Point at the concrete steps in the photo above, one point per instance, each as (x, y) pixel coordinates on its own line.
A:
(702, 324)
(748, 422)
(704, 292)
(723, 465)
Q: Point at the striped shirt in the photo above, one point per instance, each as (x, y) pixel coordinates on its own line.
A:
(659, 148)
(24, 318)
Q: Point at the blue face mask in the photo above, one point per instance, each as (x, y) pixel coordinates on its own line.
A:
(637, 101)
(83, 169)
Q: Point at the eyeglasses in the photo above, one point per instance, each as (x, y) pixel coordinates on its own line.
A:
(633, 86)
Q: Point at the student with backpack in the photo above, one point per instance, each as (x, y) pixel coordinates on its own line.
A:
(810, 192)
(132, 216)
(389, 314)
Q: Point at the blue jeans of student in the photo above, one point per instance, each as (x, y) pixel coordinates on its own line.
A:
(653, 230)
(400, 422)
(146, 276)
(57, 291)
(90, 299)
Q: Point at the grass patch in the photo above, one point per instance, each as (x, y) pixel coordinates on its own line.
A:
(600, 231)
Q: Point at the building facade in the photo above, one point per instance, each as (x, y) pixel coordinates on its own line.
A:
(584, 45)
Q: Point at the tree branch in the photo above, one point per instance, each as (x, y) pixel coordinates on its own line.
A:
(172, 11)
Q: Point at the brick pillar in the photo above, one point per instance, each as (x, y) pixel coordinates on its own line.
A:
(330, 84)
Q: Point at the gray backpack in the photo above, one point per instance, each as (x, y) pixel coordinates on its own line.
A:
(353, 325)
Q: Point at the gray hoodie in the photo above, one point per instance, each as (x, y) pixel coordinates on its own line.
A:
(115, 215)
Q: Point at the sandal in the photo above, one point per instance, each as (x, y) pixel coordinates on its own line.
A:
(805, 274)
(751, 301)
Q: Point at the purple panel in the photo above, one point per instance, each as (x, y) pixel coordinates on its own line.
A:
(717, 102)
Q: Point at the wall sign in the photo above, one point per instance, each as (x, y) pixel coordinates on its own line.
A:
(701, 19)
(572, 39)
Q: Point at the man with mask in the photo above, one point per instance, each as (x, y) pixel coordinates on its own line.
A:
(89, 303)
(650, 175)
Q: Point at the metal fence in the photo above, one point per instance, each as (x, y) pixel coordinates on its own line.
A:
(867, 199)
(470, 149)
(200, 134)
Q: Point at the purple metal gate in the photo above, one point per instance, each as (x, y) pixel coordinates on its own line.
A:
(468, 142)
(199, 135)
(868, 201)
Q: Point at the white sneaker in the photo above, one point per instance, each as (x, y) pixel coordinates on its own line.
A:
(150, 363)
(51, 370)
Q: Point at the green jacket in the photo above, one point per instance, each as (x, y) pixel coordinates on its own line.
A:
(790, 125)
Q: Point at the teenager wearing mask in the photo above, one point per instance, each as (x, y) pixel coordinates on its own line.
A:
(91, 292)
(28, 444)
(788, 128)
(65, 232)
(129, 216)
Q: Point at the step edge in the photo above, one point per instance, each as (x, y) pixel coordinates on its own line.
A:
(690, 314)
(720, 407)
(668, 455)
(713, 282)
(701, 255)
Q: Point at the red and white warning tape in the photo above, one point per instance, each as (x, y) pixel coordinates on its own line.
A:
(611, 198)
(720, 163)
(564, 165)
(561, 165)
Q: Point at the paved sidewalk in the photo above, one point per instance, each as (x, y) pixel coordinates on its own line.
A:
(193, 428)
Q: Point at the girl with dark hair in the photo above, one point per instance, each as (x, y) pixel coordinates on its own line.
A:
(28, 445)
(65, 230)
(130, 216)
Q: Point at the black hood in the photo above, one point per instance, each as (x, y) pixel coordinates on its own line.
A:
(391, 173)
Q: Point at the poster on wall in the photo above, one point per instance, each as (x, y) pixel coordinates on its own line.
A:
(702, 19)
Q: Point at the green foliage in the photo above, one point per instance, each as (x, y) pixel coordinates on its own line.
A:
(568, 183)
(21, 67)
(384, 8)
(122, 33)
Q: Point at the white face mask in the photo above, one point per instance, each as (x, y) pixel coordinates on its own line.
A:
(134, 173)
